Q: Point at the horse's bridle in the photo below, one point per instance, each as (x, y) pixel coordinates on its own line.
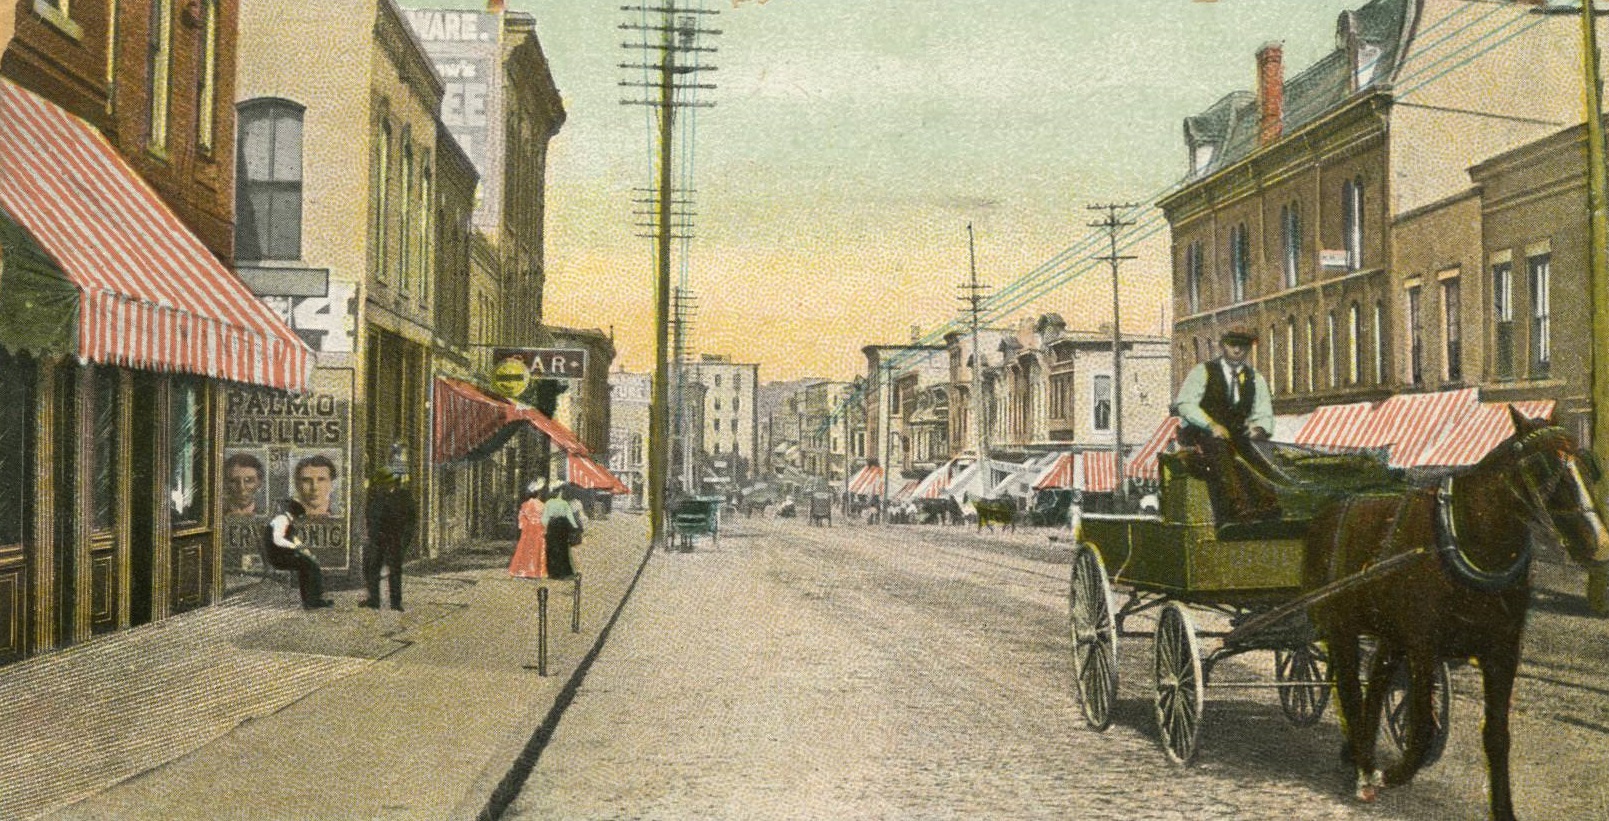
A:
(1532, 495)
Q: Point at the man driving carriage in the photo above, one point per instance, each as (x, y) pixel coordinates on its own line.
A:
(1224, 406)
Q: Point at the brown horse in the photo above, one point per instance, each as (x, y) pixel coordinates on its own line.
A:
(1464, 595)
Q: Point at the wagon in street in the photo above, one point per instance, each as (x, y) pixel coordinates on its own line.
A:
(695, 516)
(1180, 566)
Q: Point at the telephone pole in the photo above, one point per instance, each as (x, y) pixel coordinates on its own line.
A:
(1113, 225)
(972, 295)
(668, 33)
(1598, 262)
(684, 306)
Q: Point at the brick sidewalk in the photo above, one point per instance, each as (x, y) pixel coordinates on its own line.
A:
(270, 711)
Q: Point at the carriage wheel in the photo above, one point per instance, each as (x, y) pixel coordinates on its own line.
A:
(1395, 715)
(1303, 667)
(1094, 635)
(1179, 683)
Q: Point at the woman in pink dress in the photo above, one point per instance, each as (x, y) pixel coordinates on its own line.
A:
(530, 554)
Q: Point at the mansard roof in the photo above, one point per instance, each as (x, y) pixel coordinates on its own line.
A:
(1230, 125)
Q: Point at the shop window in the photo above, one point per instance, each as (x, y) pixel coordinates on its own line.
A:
(16, 448)
(187, 455)
(106, 466)
(268, 196)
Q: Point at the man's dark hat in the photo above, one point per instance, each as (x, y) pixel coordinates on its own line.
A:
(1238, 335)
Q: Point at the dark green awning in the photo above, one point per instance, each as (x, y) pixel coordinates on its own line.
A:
(38, 304)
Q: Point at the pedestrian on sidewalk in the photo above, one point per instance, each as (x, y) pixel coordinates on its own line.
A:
(283, 549)
(530, 552)
(563, 526)
(392, 516)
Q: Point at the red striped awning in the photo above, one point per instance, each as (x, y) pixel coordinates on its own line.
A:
(906, 492)
(1145, 465)
(467, 417)
(868, 482)
(1056, 475)
(1100, 471)
(1406, 422)
(935, 483)
(593, 476)
(1483, 428)
(152, 296)
(1335, 426)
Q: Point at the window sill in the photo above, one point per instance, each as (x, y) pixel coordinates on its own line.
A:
(57, 20)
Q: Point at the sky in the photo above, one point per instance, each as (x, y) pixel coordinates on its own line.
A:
(853, 141)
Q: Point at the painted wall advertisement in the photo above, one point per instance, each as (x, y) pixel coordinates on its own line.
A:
(465, 49)
(281, 446)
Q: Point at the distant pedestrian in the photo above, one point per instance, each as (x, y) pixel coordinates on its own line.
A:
(563, 531)
(283, 549)
(530, 553)
(392, 516)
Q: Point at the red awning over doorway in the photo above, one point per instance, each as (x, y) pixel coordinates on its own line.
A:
(467, 417)
(151, 295)
(589, 474)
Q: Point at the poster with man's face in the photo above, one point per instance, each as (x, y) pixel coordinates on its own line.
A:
(316, 482)
(280, 447)
(245, 483)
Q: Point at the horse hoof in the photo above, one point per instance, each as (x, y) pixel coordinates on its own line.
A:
(1395, 777)
(1368, 794)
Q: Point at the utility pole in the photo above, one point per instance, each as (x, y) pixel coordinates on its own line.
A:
(684, 305)
(675, 33)
(1113, 225)
(972, 295)
(1598, 259)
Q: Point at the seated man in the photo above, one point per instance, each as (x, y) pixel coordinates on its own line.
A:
(1224, 405)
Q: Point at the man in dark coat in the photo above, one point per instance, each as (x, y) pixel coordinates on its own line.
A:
(1224, 406)
(391, 515)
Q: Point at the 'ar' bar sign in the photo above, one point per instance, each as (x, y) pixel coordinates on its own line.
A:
(525, 364)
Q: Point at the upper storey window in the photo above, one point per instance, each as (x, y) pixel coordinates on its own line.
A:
(268, 193)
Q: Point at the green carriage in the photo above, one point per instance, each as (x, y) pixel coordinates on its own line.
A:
(1180, 561)
(695, 516)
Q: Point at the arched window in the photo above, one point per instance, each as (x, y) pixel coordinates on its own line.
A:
(1239, 262)
(1290, 220)
(268, 181)
(1352, 222)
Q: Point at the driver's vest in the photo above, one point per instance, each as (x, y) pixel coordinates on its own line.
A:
(1215, 399)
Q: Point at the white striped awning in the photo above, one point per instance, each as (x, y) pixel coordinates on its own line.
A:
(1099, 474)
(1144, 464)
(1484, 427)
(868, 482)
(151, 295)
(1058, 474)
(1335, 426)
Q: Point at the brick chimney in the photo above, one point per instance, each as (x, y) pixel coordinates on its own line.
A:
(494, 6)
(1270, 93)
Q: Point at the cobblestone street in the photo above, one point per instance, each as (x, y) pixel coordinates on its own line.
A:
(791, 671)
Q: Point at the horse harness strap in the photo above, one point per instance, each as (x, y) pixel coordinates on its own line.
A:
(1457, 565)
